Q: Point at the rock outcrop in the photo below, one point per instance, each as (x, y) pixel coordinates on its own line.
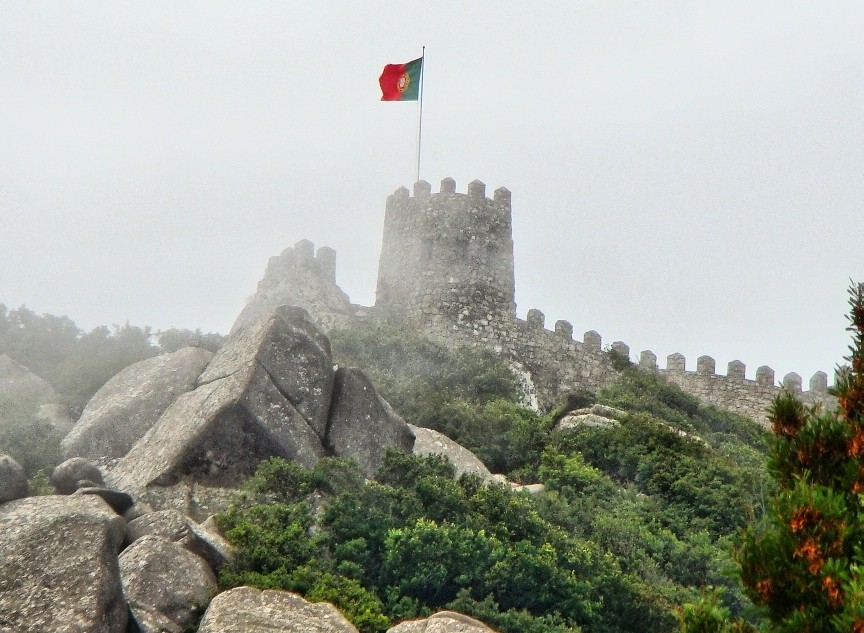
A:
(270, 391)
(58, 565)
(167, 586)
(217, 435)
(57, 416)
(254, 611)
(16, 380)
(442, 622)
(68, 476)
(125, 408)
(597, 415)
(175, 527)
(293, 353)
(13, 481)
(362, 424)
(429, 442)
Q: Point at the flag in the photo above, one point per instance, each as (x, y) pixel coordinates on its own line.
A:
(401, 82)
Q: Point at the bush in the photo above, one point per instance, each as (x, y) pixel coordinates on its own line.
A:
(33, 443)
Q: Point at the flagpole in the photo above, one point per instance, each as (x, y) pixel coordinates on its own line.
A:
(420, 124)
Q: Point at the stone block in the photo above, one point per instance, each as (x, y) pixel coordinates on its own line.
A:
(564, 328)
(736, 370)
(536, 319)
(477, 192)
(705, 365)
(592, 340)
(502, 197)
(326, 258)
(422, 190)
(765, 376)
(304, 250)
(619, 347)
(819, 383)
(792, 382)
(648, 360)
(676, 362)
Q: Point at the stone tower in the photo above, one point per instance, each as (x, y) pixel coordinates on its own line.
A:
(447, 260)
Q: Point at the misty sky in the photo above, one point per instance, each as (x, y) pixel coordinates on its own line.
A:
(686, 176)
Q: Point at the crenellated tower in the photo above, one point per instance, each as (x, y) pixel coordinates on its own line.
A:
(447, 260)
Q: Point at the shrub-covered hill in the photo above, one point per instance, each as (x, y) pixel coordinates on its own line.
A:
(637, 518)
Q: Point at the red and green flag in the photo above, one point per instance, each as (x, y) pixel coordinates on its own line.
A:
(401, 82)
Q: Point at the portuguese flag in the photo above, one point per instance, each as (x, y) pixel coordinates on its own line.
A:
(401, 82)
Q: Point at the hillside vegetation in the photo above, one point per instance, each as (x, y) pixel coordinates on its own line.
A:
(76, 363)
(636, 520)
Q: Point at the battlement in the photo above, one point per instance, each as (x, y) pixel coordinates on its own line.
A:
(302, 256)
(300, 276)
(447, 258)
(560, 363)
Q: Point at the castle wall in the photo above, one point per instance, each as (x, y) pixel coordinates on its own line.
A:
(446, 268)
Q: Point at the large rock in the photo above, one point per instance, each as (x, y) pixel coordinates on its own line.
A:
(13, 481)
(18, 381)
(442, 622)
(58, 566)
(175, 527)
(597, 415)
(125, 408)
(217, 435)
(253, 611)
(166, 585)
(118, 500)
(66, 476)
(187, 497)
(429, 442)
(362, 424)
(288, 345)
(57, 416)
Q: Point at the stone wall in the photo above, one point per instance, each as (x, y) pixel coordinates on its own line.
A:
(446, 268)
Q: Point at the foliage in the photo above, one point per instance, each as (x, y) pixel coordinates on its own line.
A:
(175, 339)
(589, 555)
(468, 395)
(708, 615)
(39, 485)
(33, 443)
(803, 562)
(648, 392)
(635, 518)
(408, 369)
(78, 363)
(658, 497)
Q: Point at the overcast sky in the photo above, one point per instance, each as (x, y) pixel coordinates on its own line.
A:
(686, 176)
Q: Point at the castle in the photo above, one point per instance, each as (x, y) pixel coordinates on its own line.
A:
(446, 269)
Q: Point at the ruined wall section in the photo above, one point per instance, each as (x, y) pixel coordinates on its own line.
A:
(446, 262)
(301, 277)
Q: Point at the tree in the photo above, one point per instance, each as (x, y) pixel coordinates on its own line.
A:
(804, 562)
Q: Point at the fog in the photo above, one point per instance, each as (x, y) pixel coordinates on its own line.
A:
(686, 177)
